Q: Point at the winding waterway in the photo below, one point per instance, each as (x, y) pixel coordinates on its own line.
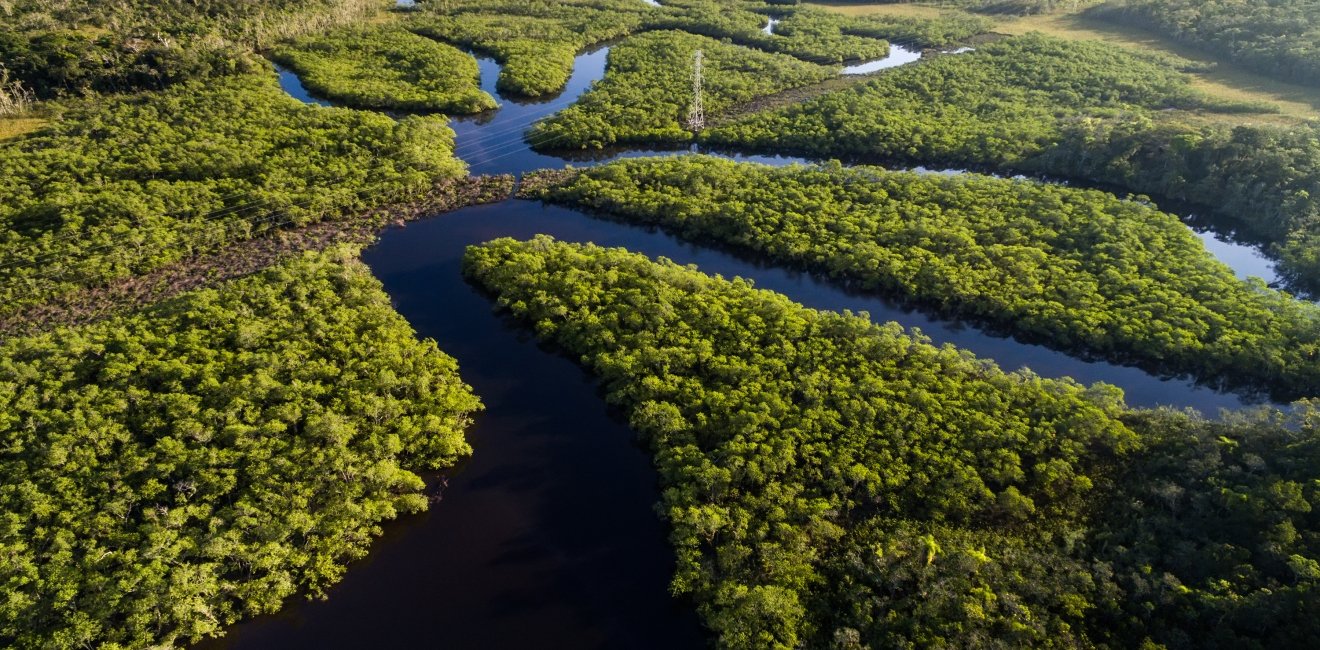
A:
(547, 538)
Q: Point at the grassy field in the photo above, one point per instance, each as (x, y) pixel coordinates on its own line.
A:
(12, 127)
(903, 9)
(1295, 102)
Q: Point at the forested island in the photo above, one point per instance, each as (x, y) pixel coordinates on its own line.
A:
(387, 68)
(267, 294)
(836, 483)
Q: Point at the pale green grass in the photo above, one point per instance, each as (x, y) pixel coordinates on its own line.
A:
(12, 127)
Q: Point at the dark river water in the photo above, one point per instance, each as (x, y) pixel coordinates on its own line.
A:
(547, 537)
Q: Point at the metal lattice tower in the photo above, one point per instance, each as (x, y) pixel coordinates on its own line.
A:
(696, 120)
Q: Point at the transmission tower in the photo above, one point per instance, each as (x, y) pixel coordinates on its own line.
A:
(696, 120)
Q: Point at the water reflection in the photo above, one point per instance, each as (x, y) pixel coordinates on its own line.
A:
(898, 56)
(292, 85)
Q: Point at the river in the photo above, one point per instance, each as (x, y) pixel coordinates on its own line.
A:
(547, 537)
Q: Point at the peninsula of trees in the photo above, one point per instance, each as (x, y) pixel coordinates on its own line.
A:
(837, 483)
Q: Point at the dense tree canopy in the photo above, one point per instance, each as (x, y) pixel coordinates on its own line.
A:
(1080, 269)
(808, 34)
(999, 105)
(1014, 7)
(1264, 180)
(535, 41)
(830, 482)
(387, 68)
(1214, 531)
(778, 429)
(647, 90)
(836, 483)
(169, 472)
(60, 47)
(121, 187)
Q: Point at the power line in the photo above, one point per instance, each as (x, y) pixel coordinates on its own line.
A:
(696, 120)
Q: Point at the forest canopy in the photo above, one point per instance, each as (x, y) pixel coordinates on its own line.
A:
(1011, 7)
(837, 483)
(829, 482)
(647, 90)
(77, 47)
(536, 41)
(998, 105)
(172, 471)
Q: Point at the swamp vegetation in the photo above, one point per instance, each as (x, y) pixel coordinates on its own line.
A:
(837, 483)
(1073, 110)
(179, 457)
(173, 470)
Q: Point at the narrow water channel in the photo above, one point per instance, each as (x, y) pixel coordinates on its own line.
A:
(292, 85)
(492, 143)
(547, 538)
(898, 56)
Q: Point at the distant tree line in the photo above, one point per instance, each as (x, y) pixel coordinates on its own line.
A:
(1074, 109)
(536, 41)
(1279, 38)
(1009, 7)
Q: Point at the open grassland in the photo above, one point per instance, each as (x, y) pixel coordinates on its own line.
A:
(12, 127)
(1225, 81)
(881, 9)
